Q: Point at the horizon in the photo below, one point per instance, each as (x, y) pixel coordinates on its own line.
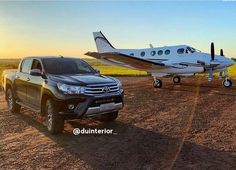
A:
(65, 28)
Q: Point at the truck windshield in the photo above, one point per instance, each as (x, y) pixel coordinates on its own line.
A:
(59, 66)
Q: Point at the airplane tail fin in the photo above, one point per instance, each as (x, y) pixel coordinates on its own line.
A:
(103, 45)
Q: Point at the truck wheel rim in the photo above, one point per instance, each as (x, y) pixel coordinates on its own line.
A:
(49, 112)
(10, 100)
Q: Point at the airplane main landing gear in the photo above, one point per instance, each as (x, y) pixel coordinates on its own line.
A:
(157, 83)
(227, 83)
(176, 79)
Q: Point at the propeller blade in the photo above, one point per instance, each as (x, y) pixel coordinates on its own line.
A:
(221, 52)
(210, 74)
(212, 51)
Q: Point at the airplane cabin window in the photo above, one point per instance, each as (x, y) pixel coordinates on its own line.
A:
(167, 52)
(132, 54)
(160, 52)
(153, 53)
(142, 53)
(180, 51)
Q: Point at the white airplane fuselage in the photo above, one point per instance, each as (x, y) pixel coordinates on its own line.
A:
(174, 59)
(179, 60)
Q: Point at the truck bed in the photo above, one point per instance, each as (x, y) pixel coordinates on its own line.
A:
(6, 74)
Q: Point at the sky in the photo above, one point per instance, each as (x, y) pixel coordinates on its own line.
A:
(34, 28)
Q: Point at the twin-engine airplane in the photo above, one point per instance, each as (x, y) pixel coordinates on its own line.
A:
(175, 61)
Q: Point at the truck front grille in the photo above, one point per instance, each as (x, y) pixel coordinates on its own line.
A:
(100, 89)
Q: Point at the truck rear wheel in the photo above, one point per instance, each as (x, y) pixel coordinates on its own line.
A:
(108, 117)
(11, 102)
(55, 122)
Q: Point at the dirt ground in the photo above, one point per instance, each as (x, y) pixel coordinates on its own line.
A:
(187, 126)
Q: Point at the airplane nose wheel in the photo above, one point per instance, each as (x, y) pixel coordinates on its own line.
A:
(176, 79)
(157, 83)
(227, 83)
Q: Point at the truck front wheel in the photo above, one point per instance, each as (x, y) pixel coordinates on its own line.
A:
(108, 117)
(55, 122)
(11, 102)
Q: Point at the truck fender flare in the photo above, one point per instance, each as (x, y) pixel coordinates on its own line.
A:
(8, 84)
(44, 96)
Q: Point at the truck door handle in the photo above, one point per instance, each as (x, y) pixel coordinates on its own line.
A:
(28, 79)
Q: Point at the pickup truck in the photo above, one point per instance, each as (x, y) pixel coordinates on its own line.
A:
(62, 88)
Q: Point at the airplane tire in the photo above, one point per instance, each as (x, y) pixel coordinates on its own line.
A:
(157, 83)
(227, 83)
(176, 79)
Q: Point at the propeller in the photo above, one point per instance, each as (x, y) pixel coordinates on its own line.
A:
(212, 51)
(213, 62)
(212, 59)
(221, 52)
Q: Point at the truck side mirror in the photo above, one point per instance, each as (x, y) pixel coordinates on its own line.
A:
(97, 70)
(35, 72)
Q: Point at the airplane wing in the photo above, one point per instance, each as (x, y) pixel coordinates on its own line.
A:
(123, 59)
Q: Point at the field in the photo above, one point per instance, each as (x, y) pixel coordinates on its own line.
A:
(6, 64)
(187, 126)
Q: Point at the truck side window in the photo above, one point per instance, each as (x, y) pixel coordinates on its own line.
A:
(83, 67)
(25, 67)
(36, 65)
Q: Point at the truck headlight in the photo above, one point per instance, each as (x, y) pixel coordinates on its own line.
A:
(70, 89)
(120, 86)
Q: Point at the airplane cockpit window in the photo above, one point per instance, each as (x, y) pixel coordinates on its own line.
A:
(160, 52)
(142, 53)
(180, 51)
(167, 52)
(191, 50)
(153, 53)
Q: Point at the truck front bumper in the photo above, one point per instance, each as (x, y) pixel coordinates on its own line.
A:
(90, 106)
(102, 109)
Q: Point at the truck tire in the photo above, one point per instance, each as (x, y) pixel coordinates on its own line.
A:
(108, 117)
(11, 102)
(55, 122)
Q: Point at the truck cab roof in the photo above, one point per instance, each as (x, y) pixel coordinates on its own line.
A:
(42, 57)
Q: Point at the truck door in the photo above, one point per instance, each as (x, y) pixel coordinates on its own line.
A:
(34, 86)
(21, 80)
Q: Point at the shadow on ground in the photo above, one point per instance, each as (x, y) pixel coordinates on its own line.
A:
(134, 148)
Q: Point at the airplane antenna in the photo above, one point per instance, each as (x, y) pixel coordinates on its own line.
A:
(151, 46)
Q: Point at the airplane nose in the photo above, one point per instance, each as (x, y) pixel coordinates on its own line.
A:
(231, 62)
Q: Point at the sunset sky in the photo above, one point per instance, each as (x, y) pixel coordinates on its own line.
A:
(65, 28)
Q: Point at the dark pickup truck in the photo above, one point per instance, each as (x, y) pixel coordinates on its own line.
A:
(62, 88)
